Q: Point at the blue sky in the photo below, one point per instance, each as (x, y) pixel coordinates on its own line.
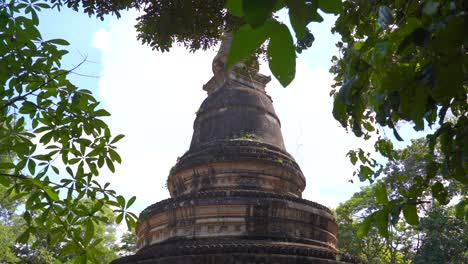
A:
(153, 98)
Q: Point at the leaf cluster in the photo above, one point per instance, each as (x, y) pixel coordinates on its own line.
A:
(37, 249)
(262, 28)
(45, 119)
(99, 8)
(200, 24)
(407, 188)
(405, 61)
(195, 24)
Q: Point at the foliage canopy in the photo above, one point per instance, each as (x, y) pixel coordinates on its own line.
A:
(45, 120)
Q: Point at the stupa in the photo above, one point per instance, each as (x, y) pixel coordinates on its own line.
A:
(236, 193)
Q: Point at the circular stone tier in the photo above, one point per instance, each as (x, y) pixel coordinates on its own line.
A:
(236, 164)
(236, 110)
(234, 251)
(236, 227)
(238, 214)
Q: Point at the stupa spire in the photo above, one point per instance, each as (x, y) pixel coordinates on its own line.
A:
(221, 74)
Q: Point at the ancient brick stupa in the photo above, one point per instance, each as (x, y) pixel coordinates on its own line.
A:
(236, 193)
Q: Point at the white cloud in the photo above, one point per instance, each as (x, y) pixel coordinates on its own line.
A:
(153, 98)
(101, 39)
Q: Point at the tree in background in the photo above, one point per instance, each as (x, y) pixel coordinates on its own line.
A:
(9, 219)
(444, 238)
(373, 248)
(8, 227)
(349, 216)
(128, 244)
(438, 237)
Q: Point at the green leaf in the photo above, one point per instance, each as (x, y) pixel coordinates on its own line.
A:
(81, 259)
(69, 248)
(6, 166)
(101, 112)
(59, 42)
(28, 108)
(70, 172)
(131, 223)
(24, 237)
(395, 214)
(101, 161)
(113, 203)
(397, 136)
(89, 232)
(281, 53)
(364, 226)
(93, 168)
(431, 169)
(31, 166)
(130, 202)
(411, 214)
(381, 219)
(365, 173)
(352, 157)
(330, 6)
(461, 209)
(403, 31)
(119, 218)
(96, 242)
(42, 5)
(55, 169)
(234, 7)
(340, 111)
(110, 164)
(297, 16)
(121, 201)
(381, 193)
(115, 156)
(5, 181)
(257, 12)
(52, 194)
(34, 17)
(27, 217)
(117, 138)
(245, 42)
(440, 193)
(47, 137)
(368, 126)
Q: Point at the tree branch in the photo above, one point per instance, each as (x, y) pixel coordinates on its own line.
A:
(22, 97)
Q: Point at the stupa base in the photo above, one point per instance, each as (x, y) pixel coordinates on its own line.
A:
(234, 251)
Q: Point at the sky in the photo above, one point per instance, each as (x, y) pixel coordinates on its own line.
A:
(153, 98)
